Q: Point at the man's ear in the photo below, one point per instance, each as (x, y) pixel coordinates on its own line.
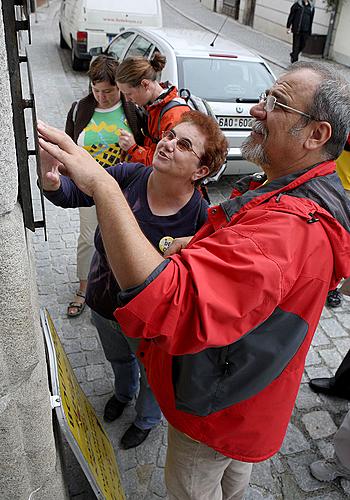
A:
(321, 132)
(201, 172)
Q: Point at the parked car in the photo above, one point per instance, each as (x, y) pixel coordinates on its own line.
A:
(85, 24)
(227, 75)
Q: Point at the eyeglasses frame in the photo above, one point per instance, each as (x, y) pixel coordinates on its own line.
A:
(171, 131)
(263, 98)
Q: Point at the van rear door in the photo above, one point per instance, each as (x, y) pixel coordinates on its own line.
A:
(106, 18)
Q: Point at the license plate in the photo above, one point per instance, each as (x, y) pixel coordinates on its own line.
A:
(226, 122)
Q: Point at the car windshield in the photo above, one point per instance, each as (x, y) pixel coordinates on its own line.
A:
(219, 79)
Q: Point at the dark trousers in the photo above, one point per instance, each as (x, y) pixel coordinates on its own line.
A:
(341, 378)
(299, 42)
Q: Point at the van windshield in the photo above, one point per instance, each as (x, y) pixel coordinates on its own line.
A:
(130, 7)
(218, 79)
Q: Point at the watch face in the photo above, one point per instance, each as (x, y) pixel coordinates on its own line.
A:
(165, 243)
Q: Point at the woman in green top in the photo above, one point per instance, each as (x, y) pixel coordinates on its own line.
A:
(94, 123)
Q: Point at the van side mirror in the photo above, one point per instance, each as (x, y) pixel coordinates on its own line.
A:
(95, 51)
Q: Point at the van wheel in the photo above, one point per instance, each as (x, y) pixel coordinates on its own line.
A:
(77, 64)
(63, 43)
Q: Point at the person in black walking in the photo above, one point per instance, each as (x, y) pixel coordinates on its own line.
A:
(299, 23)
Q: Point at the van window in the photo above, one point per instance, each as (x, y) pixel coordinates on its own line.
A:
(139, 47)
(116, 48)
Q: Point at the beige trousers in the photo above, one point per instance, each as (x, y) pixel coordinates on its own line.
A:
(193, 471)
(85, 250)
(342, 442)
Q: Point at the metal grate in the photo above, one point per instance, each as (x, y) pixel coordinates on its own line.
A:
(17, 23)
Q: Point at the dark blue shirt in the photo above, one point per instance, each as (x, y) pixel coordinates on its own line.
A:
(132, 178)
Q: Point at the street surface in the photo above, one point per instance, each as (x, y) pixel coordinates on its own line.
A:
(315, 418)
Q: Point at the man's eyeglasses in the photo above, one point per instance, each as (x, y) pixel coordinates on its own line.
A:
(182, 143)
(270, 102)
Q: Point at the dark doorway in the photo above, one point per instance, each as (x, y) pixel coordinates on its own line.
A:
(231, 8)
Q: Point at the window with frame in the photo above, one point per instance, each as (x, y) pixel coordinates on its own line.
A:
(117, 47)
(140, 47)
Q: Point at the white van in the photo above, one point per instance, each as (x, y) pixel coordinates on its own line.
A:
(93, 23)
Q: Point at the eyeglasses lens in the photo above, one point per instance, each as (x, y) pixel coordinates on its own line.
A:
(270, 103)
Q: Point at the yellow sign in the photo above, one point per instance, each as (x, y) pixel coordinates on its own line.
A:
(90, 443)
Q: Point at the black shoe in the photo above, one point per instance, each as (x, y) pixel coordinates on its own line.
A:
(326, 386)
(133, 437)
(334, 298)
(113, 409)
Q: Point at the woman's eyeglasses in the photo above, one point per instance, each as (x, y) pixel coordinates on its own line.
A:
(182, 143)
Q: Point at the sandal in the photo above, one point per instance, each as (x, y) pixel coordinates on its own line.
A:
(79, 306)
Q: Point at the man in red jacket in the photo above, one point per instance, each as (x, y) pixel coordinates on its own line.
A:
(230, 318)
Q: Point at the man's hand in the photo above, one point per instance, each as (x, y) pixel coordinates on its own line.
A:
(289, 31)
(126, 140)
(49, 167)
(177, 245)
(71, 160)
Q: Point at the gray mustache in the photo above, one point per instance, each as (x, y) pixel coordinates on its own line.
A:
(260, 128)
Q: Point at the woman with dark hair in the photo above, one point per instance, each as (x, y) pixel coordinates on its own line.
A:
(95, 123)
(137, 79)
(166, 205)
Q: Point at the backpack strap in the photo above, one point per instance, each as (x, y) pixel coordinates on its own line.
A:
(75, 111)
(174, 103)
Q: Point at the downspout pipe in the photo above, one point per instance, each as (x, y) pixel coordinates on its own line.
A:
(331, 27)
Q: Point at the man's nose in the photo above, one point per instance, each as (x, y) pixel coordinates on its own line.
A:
(258, 111)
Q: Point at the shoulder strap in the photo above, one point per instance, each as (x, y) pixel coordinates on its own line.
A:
(177, 101)
(75, 110)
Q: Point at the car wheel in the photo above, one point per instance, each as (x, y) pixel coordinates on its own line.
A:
(63, 43)
(77, 64)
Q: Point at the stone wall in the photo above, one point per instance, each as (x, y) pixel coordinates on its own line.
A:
(29, 462)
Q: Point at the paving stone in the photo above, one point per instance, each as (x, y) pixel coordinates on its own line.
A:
(148, 451)
(101, 386)
(254, 493)
(345, 318)
(157, 484)
(319, 424)
(294, 441)
(342, 345)
(95, 356)
(312, 358)
(72, 346)
(320, 338)
(278, 464)
(333, 328)
(261, 475)
(306, 398)
(318, 371)
(300, 467)
(326, 313)
(89, 343)
(77, 359)
(161, 456)
(128, 459)
(331, 357)
(326, 448)
(94, 372)
(80, 373)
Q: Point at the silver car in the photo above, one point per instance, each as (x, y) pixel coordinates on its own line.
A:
(228, 76)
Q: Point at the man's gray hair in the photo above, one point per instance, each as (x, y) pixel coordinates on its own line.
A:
(331, 103)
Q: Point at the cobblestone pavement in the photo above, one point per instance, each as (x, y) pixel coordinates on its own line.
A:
(286, 476)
